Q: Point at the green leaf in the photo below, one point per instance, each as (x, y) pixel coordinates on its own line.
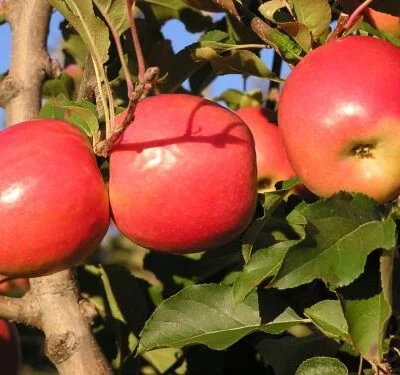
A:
(236, 99)
(270, 7)
(63, 85)
(114, 12)
(270, 202)
(242, 62)
(73, 45)
(290, 51)
(206, 5)
(95, 35)
(316, 15)
(341, 232)
(299, 32)
(322, 366)
(91, 29)
(329, 318)
(367, 320)
(192, 18)
(81, 114)
(207, 314)
(296, 30)
(285, 354)
(224, 58)
(217, 36)
(263, 264)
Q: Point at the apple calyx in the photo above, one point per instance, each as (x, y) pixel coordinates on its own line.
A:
(363, 151)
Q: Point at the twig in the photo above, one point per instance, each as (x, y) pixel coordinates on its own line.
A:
(103, 148)
(136, 42)
(247, 17)
(342, 21)
(356, 14)
(117, 42)
(19, 310)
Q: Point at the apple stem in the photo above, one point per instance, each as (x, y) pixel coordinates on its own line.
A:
(104, 148)
(136, 42)
(356, 14)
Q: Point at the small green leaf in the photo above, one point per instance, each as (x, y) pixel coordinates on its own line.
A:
(341, 232)
(270, 7)
(242, 62)
(367, 320)
(316, 15)
(81, 114)
(285, 354)
(329, 318)
(236, 99)
(95, 35)
(207, 314)
(270, 202)
(217, 36)
(299, 32)
(207, 5)
(322, 366)
(73, 45)
(114, 11)
(63, 85)
(263, 264)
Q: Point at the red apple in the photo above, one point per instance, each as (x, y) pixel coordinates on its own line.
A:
(10, 354)
(272, 162)
(339, 117)
(381, 21)
(54, 208)
(183, 177)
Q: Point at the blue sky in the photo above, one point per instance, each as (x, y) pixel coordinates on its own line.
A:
(173, 30)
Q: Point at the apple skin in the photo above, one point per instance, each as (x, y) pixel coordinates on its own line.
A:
(183, 177)
(272, 162)
(10, 351)
(381, 21)
(339, 117)
(54, 207)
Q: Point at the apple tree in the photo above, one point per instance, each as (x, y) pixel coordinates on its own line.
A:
(261, 242)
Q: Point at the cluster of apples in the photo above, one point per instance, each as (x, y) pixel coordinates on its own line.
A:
(183, 177)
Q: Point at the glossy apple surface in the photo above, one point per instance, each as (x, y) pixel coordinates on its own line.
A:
(10, 355)
(183, 177)
(54, 207)
(339, 118)
(272, 162)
